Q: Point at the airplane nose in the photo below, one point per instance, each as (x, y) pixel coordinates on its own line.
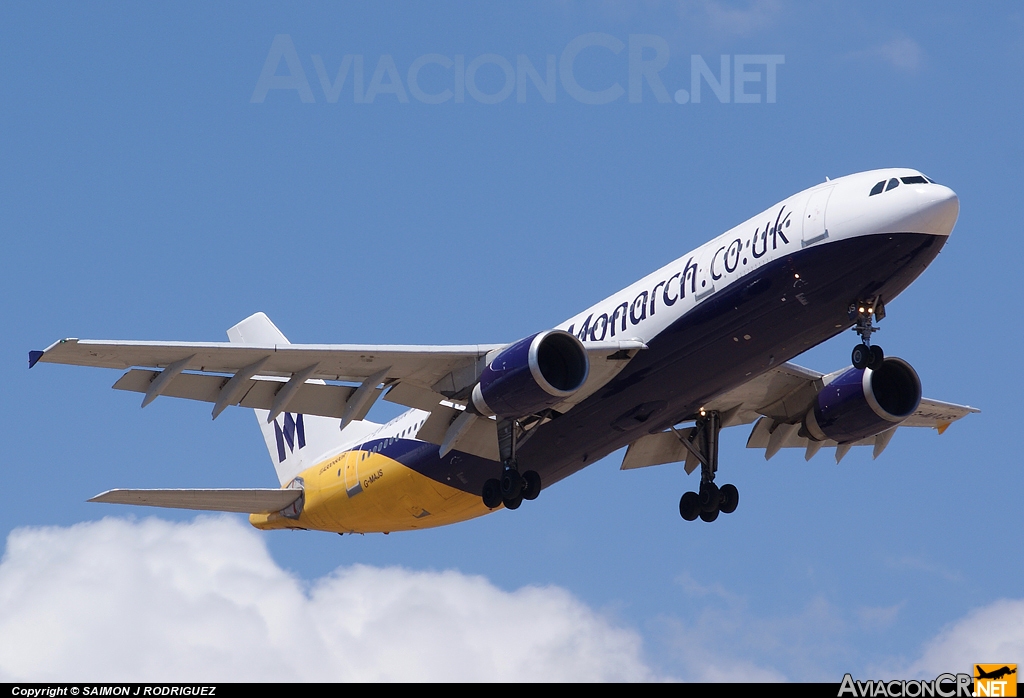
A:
(933, 209)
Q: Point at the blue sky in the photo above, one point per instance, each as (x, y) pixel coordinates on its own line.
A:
(145, 195)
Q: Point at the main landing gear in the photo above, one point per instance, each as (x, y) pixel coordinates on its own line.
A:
(711, 500)
(864, 354)
(513, 487)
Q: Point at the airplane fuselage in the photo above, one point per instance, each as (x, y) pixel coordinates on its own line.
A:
(752, 298)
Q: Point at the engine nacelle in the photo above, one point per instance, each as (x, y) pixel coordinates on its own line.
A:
(531, 375)
(863, 402)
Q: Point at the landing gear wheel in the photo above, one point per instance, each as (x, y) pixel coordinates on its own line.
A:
(709, 516)
(861, 356)
(531, 485)
(864, 355)
(511, 485)
(876, 358)
(709, 498)
(689, 506)
(729, 499)
(492, 494)
(702, 441)
(514, 502)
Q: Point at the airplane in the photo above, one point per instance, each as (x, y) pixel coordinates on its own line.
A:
(995, 674)
(701, 344)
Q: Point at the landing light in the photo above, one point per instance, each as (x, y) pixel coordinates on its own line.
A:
(796, 276)
(702, 412)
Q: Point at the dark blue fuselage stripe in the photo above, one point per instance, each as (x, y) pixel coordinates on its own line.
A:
(697, 357)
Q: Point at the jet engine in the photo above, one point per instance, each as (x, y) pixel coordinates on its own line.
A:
(862, 402)
(531, 375)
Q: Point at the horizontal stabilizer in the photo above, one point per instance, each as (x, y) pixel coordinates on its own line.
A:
(243, 501)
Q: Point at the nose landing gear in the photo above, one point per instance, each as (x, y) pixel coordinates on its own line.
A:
(711, 500)
(865, 355)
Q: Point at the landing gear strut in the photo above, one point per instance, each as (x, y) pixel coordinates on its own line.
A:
(864, 354)
(513, 487)
(710, 500)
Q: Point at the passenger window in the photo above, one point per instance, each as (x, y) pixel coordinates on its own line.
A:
(917, 179)
(893, 183)
(877, 189)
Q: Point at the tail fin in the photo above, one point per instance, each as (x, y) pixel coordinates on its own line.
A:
(295, 441)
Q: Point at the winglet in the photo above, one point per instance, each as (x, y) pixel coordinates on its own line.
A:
(35, 356)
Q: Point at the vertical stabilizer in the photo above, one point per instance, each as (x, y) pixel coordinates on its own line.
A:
(295, 441)
(256, 329)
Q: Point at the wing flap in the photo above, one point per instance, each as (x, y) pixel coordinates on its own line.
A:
(657, 449)
(480, 439)
(242, 501)
(760, 437)
(414, 396)
(311, 398)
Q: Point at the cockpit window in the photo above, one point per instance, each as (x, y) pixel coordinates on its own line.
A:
(894, 182)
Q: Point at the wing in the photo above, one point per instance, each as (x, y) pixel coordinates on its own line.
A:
(307, 378)
(274, 377)
(776, 402)
(423, 365)
(244, 501)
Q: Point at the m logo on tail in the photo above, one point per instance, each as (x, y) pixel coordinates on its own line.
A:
(291, 432)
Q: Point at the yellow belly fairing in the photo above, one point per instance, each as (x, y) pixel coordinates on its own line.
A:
(367, 492)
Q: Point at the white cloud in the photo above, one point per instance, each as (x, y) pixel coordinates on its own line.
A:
(991, 634)
(727, 640)
(204, 600)
(708, 652)
(721, 18)
(902, 53)
(879, 617)
(728, 19)
(159, 601)
(917, 563)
